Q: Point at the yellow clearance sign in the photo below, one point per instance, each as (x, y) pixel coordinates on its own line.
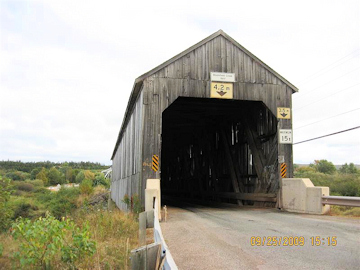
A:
(221, 90)
(283, 113)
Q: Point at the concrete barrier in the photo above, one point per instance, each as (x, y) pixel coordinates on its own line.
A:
(301, 196)
(152, 195)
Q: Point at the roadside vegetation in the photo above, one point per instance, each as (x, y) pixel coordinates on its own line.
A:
(344, 181)
(73, 228)
(79, 228)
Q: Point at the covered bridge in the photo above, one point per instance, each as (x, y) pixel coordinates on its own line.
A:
(212, 123)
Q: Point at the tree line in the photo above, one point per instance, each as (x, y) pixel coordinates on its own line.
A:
(29, 166)
(344, 181)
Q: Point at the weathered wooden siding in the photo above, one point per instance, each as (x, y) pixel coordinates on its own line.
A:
(218, 55)
(128, 158)
(189, 76)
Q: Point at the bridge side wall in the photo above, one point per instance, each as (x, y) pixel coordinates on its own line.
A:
(126, 165)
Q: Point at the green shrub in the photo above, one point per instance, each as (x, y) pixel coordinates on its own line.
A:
(47, 240)
(351, 168)
(18, 193)
(23, 207)
(101, 180)
(34, 172)
(133, 203)
(40, 190)
(86, 187)
(89, 175)
(6, 212)
(63, 202)
(36, 183)
(137, 208)
(55, 177)
(79, 177)
(24, 186)
(339, 184)
(43, 195)
(127, 201)
(22, 210)
(16, 175)
(70, 175)
(42, 175)
(324, 166)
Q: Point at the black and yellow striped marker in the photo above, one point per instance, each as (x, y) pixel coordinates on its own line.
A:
(155, 163)
(283, 170)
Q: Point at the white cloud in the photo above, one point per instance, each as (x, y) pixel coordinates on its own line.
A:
(68, 67)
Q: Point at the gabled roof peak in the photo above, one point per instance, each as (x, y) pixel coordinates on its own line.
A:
(220, 32)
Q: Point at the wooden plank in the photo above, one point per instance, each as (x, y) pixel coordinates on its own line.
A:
(259, 160)
(234, 179)
(146, 257)
(223, 54)
(205, 66)
(228, 57)
(142, 228)
(259, 197)
(217, 54)
(138, 259)
(192, 65)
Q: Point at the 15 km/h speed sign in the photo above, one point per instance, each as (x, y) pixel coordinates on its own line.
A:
(285, 136)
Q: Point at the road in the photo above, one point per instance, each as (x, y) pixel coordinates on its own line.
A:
(220, 238)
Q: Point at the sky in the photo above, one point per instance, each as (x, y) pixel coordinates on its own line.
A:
(67, 68)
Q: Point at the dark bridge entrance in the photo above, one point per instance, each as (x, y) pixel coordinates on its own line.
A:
(219, 150)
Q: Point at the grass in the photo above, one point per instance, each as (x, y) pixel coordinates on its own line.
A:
(345, 211)
(9, 248)
(115, 234)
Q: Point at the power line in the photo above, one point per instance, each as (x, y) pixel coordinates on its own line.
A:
(327, 118)
(309, 78)
(312, 90)
(297, 109)
(342, 131)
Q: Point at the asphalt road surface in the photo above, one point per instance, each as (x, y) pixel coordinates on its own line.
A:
(248, 238)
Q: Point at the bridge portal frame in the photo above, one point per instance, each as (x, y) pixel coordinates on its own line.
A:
(188, 75)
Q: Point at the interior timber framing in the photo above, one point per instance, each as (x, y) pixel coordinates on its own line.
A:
(222, 150)
(210, 149)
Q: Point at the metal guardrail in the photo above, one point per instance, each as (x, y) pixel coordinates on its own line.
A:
(341, 200)
(169, 263)
(156, 255)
